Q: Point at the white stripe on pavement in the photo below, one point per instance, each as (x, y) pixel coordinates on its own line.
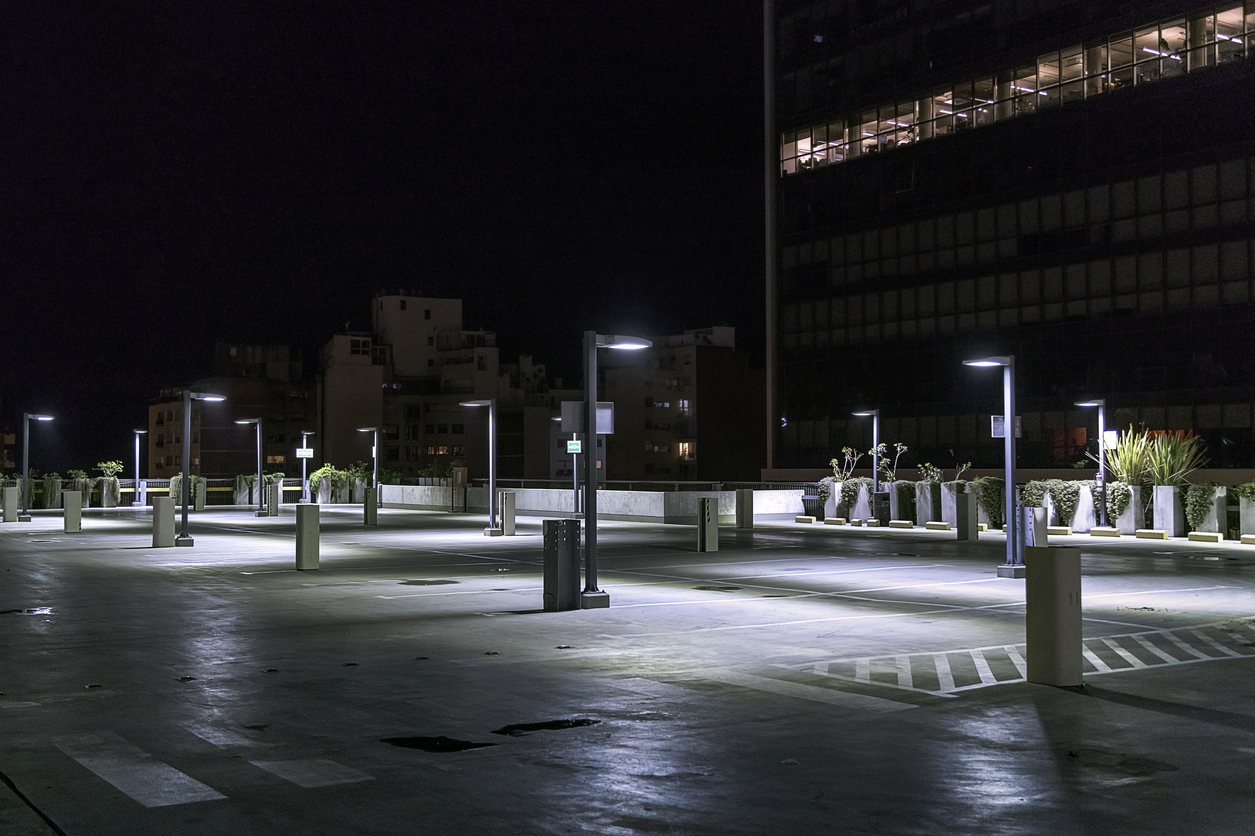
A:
(134, 771)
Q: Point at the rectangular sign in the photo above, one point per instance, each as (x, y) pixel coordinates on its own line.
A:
(304, 452)
(996, 426)
(573, 417)
(574, 447)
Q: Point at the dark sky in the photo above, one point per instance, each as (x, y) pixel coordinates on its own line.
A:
(175, 173)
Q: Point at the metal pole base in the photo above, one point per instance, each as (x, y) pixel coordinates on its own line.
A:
(494, 532)
(184, 540)
(138, 504)
(23, 517)
(594, 600)
(1012, 570)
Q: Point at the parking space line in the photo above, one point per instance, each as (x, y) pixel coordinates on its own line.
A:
(135, 772)
(1092, 658)
(1124, 654)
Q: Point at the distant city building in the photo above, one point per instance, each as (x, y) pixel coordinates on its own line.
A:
(689, 408)
(409, 375)
(257, 381)
(1070, 182)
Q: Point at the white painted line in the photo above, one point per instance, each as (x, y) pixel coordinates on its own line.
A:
(982, 668)
(1099, 664)
(1124, 654)
(844, 699)
(944, 676)
(1187, 648)
(134, 771)
(313, 772)
(1167, 657)
(1209, 640)
(1013, 653)
(218, 737)
(459, 592)
(863, 670)
(905, 680)
(1156, 592)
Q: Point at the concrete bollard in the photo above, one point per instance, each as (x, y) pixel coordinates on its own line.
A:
(370, 506)
(507, 504)
(306, 537)
(274, 499)
(708, 524)
(72, 501)
(744, 507)
(561, 565)
(965, 508)
(1053, 618)
(163, 522)
(10, 497)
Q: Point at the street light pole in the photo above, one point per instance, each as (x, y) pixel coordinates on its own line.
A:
(260, 492)
(1102, 457)
(493, 528)
(374, 455)
(26, 462)
(1014, 567)
(185, 539)
(875, 416)
(593, 597)
(305, 434)
(136, 503)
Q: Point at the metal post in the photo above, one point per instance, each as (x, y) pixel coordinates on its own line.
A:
(260, 492)
(492, 464)
(592, 596)
(374, 479)
(26, 468)
(185, 486)
(1008, 409)
(1102, 464)
(135, 501)
(875, 452)
(575, 478)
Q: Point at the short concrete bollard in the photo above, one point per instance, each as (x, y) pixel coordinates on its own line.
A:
(371, 506)
(708, 524)
(274, 498)
(508, 499)
(1053, 619)
(744, 507)
(11, 497)
(561, 565)
(73, 515)
(163, 522)
(306, 537)
(965, 508)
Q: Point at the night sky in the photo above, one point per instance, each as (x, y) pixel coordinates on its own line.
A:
(179, 173)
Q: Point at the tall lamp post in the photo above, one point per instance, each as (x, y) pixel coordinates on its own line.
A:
(1014, 567)
(137, 503)
(305, 434)
(256, 421)
(593, 597)
(26, 462)
(374, 455)
(185, 539)
(493, 528)
(1102, 457)
(875, 416)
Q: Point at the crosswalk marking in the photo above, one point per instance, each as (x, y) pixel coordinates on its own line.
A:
(1124, 654)
(313, 772)
(134, 771)
(969, 668)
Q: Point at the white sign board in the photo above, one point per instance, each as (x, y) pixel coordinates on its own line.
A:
(574, 447)
(573, 417)
(997, 430)
(304, 452)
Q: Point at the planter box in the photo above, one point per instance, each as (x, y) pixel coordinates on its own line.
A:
(1130, 521)
(949, 503)
(1246, 511)
(895, 509)
(1169, 510)
(1217, 514)
(924, 502)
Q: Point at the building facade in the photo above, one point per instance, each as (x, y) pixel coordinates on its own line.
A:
(688, 408)
(1069, 182)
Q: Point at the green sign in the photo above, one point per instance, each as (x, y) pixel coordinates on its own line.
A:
(574, 446)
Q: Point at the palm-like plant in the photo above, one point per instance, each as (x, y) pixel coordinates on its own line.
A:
(1173, 456)
(1129, 462)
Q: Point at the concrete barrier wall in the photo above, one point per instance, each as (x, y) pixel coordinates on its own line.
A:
(783, 502)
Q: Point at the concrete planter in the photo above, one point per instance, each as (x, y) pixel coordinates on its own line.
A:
(244, 495)
(924, 493)
(1169, 510)
(109, 492)
(1246, 510)
(1083, 518)
(1131, 520)
(949, 503)
(896, 511)
(52, 495)
(1217, 514)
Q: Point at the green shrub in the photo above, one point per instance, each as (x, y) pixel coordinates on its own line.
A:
(849, 492)
(906, 499)
(1198, 499)
(989, 495)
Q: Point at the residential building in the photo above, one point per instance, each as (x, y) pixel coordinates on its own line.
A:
(1068, 182)
(688, 408)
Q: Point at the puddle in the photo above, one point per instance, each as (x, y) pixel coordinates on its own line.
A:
(717, 588)
(425, 582)
(434, 744)
(28, 611)
(520, 729)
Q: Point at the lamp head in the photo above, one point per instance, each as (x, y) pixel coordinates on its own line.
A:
(1093, 402)
(481, 402)
(622, 341)
(141, 432)
(867, 413)
(307, 432)
(984, 362)
(249, 421)
(367, 429)
(42, 417)
(206, 396)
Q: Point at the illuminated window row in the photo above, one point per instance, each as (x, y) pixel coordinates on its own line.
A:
(1162, 50)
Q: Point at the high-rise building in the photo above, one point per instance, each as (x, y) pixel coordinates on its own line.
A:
(1066, 181)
